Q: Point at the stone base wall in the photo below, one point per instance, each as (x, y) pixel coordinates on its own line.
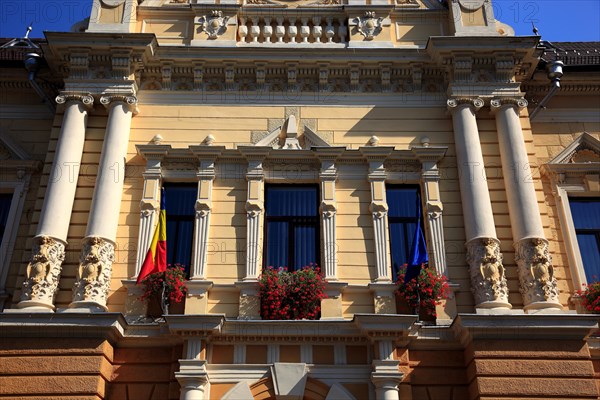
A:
(530, 369)
(53, 369)
(92, 369)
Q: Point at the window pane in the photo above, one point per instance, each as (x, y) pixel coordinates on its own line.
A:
(305, 245)
(402, 202)
(586, 213)
(590, 253)
(291, 201)
(277, 244)
(586, 218)
(5, 200)
(401, 237)
(180, 201)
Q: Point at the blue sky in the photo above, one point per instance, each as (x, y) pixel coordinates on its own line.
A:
(557, 20)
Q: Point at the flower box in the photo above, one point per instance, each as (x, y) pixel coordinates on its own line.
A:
(291, 295)
(422, 293)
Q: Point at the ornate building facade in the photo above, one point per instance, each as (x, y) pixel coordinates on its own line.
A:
(346, 107)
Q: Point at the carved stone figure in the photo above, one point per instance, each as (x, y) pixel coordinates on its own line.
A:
(43, 271)
(93, 278)
(487, 272)
(536, 273)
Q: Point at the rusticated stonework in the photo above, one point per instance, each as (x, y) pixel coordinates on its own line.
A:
(93, 278)
(43, 271)
(487, 273)
(536, 273)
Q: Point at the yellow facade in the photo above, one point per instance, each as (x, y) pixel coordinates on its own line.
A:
(351, 96)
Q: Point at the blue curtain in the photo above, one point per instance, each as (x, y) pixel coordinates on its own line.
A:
(291, 201)
(586, 218)
(404, 223)
(277, 244)
(180, 201)
(292, 226)
(5, 200)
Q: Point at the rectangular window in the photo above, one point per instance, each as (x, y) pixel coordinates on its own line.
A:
(5, 202)
(180, 202)
(403, 217)
(586, 218)
(291, 226)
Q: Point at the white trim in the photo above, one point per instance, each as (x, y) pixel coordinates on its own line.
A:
(561, 169)
(565, 218)
(8, 240)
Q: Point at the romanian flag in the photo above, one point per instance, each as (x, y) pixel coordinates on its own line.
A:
(156, 258)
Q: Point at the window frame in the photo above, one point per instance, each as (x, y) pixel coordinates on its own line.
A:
(594, 231)
(316, 222)
(18, 189)
(565, 193)
(179, 218)
(392, 220)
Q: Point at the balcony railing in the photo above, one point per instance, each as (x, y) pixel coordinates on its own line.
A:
(292, 31)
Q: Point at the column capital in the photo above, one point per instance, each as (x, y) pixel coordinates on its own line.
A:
(519, 103)
(476, 103)
(86, 99)
(130, 100)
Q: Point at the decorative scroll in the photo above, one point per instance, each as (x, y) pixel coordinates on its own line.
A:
(214, 24)
(369, 25)
(536, 273)
(95, 269)
(487, 272)
(43, 271)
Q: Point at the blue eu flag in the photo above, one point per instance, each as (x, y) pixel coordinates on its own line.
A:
(418, 250)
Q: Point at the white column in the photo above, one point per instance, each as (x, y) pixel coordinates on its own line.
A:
(44, 269)
(92, 284)
(483, 248)
(536, 275)
(386, 376)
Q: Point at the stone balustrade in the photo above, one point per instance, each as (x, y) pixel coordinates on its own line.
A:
(292, 30)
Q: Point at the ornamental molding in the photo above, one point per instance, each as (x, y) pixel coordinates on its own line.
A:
(265, 77)
(292, 135)
(95, 269)
(518, 103)
(488, 280)
(584, 150)
(369, 25)
(131, 101)
(43, 272)
(536, 273)
(86, 99)
(214, 24)
(475, 103)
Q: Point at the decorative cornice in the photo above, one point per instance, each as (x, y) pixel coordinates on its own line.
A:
(468, 327)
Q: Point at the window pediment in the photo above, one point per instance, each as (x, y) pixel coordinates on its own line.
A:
(584, 149)
(288, 136)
